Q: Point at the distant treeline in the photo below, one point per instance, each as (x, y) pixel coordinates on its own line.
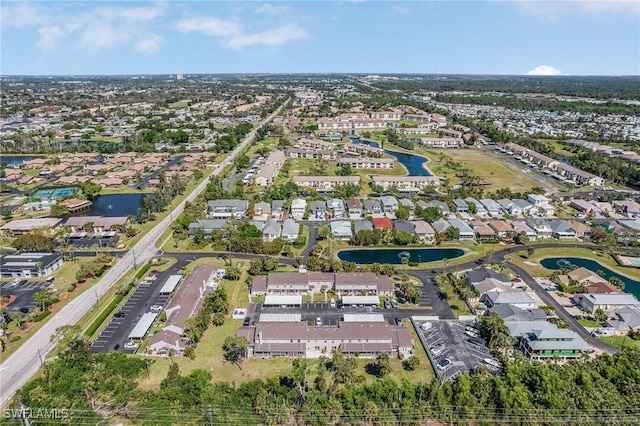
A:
(103, 388)
(588, 87)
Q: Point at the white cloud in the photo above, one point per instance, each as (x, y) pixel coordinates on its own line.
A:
(545, 70)
(49, 37)
(210, 26)
(94, 29)
(549, 10)
(272, 37)
(232, 35)
(150, 44)
(20, 14)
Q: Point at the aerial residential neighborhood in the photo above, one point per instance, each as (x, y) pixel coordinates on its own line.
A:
(185, 243)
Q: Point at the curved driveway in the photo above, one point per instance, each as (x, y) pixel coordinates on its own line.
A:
(27, 359)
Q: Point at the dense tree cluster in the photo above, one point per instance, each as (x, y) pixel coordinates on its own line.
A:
(103, 387)
(32, 243)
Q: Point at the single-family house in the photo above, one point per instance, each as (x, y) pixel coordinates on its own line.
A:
(382, 223)
(277, 209)
(406, 202)
(460, 205)
(582, 230)
(501, 228)
(403, 225)
(524, 206)
(559, 343)
(262, 209)
(354, 207)
(624, 320)
(561, 230)
(541, 226)
(483, 231)
(608, 302)
(424, 231)
(510, 207)
(341, 229)
(584, 206)
(318, 209)
(389, 203)
(520, 227)
(492, 207)
(224, 209)
(272, 230)
(518, 298)
(362, 225)
(480, 209)
(444, 208)
(440, 226)
(466, 233)
(298, 208)
(336, 205)
(372, 207)
(207, 225)
(290, 230)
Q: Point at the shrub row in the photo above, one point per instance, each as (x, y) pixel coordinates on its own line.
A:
(42, 316)
(143, 271)
(106, 312)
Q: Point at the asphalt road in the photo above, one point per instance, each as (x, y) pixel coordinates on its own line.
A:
(27, 359)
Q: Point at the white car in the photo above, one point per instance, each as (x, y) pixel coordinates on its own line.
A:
(131, 345)
(156, 308)
(444, 363)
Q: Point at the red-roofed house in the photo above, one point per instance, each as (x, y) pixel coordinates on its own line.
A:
(382, 223)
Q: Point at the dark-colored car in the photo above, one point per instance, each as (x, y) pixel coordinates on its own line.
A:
(476, 341)
(246, 321)
(398, 321)
(119, 314)
(387, 304)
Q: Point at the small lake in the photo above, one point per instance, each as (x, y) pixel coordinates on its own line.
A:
(111, 205)
(16, 160)
(415, 164)
(555, 263)
(394, 256)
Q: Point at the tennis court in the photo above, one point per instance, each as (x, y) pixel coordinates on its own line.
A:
(54, 193)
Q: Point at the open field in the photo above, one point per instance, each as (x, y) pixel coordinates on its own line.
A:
(480, 164)
(559, 148)
(180, 104)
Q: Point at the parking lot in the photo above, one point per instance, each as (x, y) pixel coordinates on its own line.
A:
(88, 243)
(23, 290)
(310, 311)
(460, 344)
(116, 333)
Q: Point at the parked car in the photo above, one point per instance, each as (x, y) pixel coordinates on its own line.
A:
(394, 304)
(156, 308)
(398, 321)
(119, 314)
(131, 345)
(387, 304)
(476, 341)
(444, 363)
(318, 321)
(471, 333)
(246, 321)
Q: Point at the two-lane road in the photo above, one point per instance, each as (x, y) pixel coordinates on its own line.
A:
(27, 359)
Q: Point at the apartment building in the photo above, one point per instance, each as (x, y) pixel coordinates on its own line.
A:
(315, 144)
(325, 183)
(270, 169)
(406, 183)
(362, 149)
(367, 162)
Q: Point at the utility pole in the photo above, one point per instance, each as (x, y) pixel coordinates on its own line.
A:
(135, 262)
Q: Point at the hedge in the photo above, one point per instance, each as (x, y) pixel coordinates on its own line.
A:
(106, 312)
(42, 316)
(143, 271)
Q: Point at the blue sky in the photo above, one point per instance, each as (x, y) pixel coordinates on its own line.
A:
(573, 37)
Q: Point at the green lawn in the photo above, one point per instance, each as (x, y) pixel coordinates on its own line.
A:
(587, 323)
(458, 305)
(621, 341)
(180, 104)
(534, 268)
(487, 168)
